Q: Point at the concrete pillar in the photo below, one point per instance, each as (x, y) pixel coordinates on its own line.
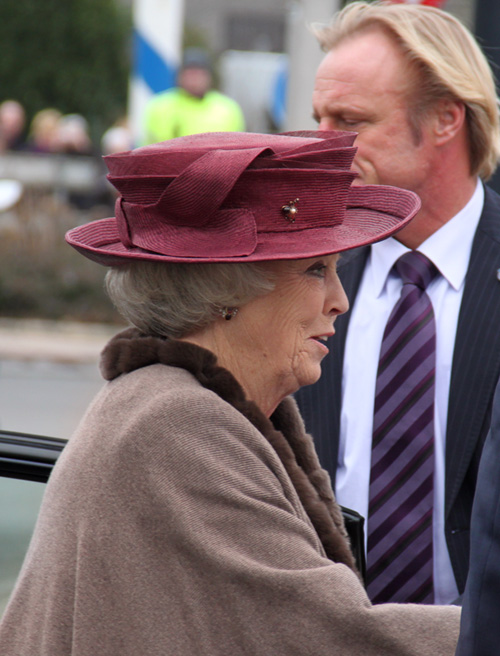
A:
(304, 58)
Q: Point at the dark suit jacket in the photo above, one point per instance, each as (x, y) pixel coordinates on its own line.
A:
(475, 370)
(480, 630)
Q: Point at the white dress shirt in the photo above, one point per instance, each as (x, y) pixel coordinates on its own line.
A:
(449, 249)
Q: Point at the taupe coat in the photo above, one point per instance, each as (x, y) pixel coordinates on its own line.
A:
(179, 521)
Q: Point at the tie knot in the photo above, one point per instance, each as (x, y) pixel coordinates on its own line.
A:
(416, 269)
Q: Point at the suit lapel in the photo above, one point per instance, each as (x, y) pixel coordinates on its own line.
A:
(476, 359)
(320, 403)
(350, 273)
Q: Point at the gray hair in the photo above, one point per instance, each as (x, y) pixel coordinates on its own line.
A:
(448, 61)
(172, 299)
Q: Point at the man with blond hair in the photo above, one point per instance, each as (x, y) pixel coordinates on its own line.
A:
(403, 407)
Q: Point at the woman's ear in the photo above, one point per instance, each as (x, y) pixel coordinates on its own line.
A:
(449, 120)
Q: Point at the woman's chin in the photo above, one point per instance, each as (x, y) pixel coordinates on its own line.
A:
(312, 376)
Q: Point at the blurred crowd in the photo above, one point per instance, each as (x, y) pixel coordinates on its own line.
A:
(51, 131)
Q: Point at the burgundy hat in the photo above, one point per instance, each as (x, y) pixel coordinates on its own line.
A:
(241, 197)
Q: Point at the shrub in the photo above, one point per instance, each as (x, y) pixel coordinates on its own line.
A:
(41, 277)
(69, 54)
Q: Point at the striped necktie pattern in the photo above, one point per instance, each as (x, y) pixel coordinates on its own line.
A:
(399, 555)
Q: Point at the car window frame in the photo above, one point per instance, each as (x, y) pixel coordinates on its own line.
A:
(28, 457)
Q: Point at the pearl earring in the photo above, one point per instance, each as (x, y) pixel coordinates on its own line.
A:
(228, 312)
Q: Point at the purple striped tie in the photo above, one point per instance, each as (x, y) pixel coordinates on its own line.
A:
(401, 482)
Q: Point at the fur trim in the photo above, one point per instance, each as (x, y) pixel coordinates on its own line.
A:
(130, 350)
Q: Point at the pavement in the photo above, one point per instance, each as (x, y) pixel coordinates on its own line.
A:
(53, 341)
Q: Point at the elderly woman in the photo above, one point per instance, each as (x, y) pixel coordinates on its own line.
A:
(188, 514)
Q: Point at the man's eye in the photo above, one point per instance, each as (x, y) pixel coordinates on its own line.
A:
(351, 122)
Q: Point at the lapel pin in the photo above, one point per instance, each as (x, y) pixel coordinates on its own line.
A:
(290, 210)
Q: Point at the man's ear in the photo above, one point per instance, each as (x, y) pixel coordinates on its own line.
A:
(449, 119)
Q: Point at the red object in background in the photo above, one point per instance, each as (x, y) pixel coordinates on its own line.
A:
(432, 3)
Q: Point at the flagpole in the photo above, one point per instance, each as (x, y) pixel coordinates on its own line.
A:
(157, 43)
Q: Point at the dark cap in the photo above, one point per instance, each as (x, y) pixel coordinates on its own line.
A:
(195, 58)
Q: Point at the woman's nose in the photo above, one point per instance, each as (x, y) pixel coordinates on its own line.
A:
(338, 302)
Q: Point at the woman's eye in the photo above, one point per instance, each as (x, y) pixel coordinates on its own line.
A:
(318, 270)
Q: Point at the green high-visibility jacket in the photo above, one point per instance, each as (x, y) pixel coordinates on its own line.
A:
(176, 113)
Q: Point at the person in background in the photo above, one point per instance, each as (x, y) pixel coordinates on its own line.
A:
(43, 133)
(12, 125)
(188, 514)
(193, 106)
(479, 628)
(400, 414)
(73, 137)
(117, 138)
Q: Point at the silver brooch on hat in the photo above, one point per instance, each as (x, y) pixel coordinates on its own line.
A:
(290, 210)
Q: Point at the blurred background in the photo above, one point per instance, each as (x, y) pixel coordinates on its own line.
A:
(75, 78)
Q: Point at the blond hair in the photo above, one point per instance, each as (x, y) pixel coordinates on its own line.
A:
(448, 61)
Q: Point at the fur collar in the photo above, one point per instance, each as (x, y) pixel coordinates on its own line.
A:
(130, 350)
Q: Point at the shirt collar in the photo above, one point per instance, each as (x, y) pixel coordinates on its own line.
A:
(448, 248)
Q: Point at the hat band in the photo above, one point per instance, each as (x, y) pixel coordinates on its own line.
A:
(232, 233)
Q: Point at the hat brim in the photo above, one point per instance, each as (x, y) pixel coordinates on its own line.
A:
(373, 213)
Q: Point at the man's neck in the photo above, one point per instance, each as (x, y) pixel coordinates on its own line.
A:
(439, 206)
